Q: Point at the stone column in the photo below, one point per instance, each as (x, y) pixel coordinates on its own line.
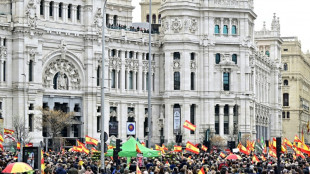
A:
(116, 79)
(231, 119)
(73, 14)
(65, 12)
(145, 88)
(55, 10)
(46, 10)
(123, 121)
(229, 27)
(221, 120)
(134, 80)
(222, 26)
(1, 70)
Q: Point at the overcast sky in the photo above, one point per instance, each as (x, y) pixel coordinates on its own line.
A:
(294, 17)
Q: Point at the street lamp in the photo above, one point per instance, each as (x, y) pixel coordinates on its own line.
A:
(25, 114)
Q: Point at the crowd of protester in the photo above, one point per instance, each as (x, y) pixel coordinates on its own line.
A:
(169, 163)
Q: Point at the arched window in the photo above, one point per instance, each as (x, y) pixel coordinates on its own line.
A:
(115, 18)
(285, 99)
(98, 76)
(217, 58)
(78, 12)
(154, 19)
(69, 10)
(30, 70)
(285, 67)
(217, 29)
(113, 78)
(176, 56)
(267, 53)
(234, 58)
(192, 56)
(225, 29)
(55, 80)
(217, 120)
(147, 18)
(234, 29)
(146, 131)
(285, 82)
(60, 9)
(159, 18)
(177, 81)
(51, 8)
(42, 7)
(192, 81)
(60, 81)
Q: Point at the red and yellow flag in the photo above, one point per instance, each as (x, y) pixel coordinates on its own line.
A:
(201, 171)
(192, 148)
(8, 131)
(189, 125)
(272, 153)
(308, 126)
(29, 145)
(288, 143)
(283, 148)
(255, 158)
(77, 148)
(243, 149)
(157, 147)
(18, 145)
(1, 146)
(294, 156)
(138, 171)
(164, 147)
(204, 148)
(263, 158)
(1, 138)
(299, 153)
(143, 144)
(111, 147)
(222, 155)
(42, 162)
(296, 139)
(177, 149)
(137, 149)
(94, 150)
(90, 140)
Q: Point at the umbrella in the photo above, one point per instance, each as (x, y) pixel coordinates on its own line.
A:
(233, 157)
(18, 167)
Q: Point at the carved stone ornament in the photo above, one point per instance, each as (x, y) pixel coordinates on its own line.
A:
(98, 21)
(146, 66)
(193, 64)
(176, 64)
(176, 25)
(115, 63)
(193, 25)
(165, 24)
(3, 52)
(68, 77)
(31, 14)
(132, 64)
(131, 114)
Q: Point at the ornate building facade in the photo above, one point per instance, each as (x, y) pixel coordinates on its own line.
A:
(206, 68)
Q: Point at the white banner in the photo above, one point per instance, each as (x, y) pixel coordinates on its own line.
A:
(131, 128)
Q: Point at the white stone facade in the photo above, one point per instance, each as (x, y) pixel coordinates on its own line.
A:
(215, 80)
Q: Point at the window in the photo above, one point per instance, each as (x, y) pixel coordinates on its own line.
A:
(131, 111)
(130, 54)
(176, 56)
(283, 114)
(192, 81)
(146, 131)
(288, 115)
(4, 42)
(177, 81)
(60, 10)
(192, 115)
(107, 16)
(225, 29)
(192, 56)
(267, 53)
(285, 99)
(30, 70)
(285, 67)
(30, 123)
(0, 105)
(42, 7)
(226, 119)
(217, 114)
(98, 76)
(147, 18)
(130, 80)
(159, 18)
(285, 49)
(113, 78)
(226, 81)
(51, 8)
(154, 19)
(217, 29)
(285, 82)
(77, 108)
(4, 70)
(147, 81)
(234, 58)
(115, 20)
(113, 53)
(234, 29)
(69, 10)
(147, 56)
(31, 107)
(78, 12)
(98, 123)
(217, 58)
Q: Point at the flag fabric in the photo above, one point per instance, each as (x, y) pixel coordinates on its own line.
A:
(18, 146)
(296, 139)
(90, 140)
(263, 158)
(29, 145)
(42, 162)
(222, 155)
(299, 153)
(255, 159)
(157, 147)
(243, 149)
(274, 143)
(15, 157)
(201, 171)
(138, 171)
(283, 148)
(143, 144)
(287, 142)
(188, 125)
(294, 156)
(8, 131)
(111, 147)
(77, 148)
(1, 138)
(204, 148)
(302, 136)
(137, 149)
(1, 146)
(94, 150)
(164, 147)
(177, 148)
(272, 153)
(9, 136)
(79, 143)
(192, 148)
(84, 149)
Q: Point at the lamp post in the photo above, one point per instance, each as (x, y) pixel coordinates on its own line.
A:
(25, 114)
(149, 109)
(102, 86)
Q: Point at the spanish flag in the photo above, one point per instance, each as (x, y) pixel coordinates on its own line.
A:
(29, 145)
(157, 147)
(110, 147)
(294, 156)
(189, 125)
(137, 149)
(243, 149)
(42, 162)
(177, 149)
(1, 146)
(79, 143)
(192, 148)
(296, 139)
(8, 131)
(201, 171)
(299, 153)
(288, 143)
(263, 158)
(255, 158)
(283, 148)
(164, 147)
(222, 155)
(1, 138)
(90, 140)
(18, 145)
(272, 153)
(204, 148)
(143, 144)
(94, 150)
(77, 148)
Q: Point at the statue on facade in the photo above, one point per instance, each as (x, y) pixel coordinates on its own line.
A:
(62, 81)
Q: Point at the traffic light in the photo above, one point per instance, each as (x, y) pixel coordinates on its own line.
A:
(118, 144)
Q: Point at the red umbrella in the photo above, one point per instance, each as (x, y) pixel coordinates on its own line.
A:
(18, 167)
(233, 157)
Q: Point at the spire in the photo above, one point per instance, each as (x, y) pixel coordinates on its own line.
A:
(274, 22)
(264, 26)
